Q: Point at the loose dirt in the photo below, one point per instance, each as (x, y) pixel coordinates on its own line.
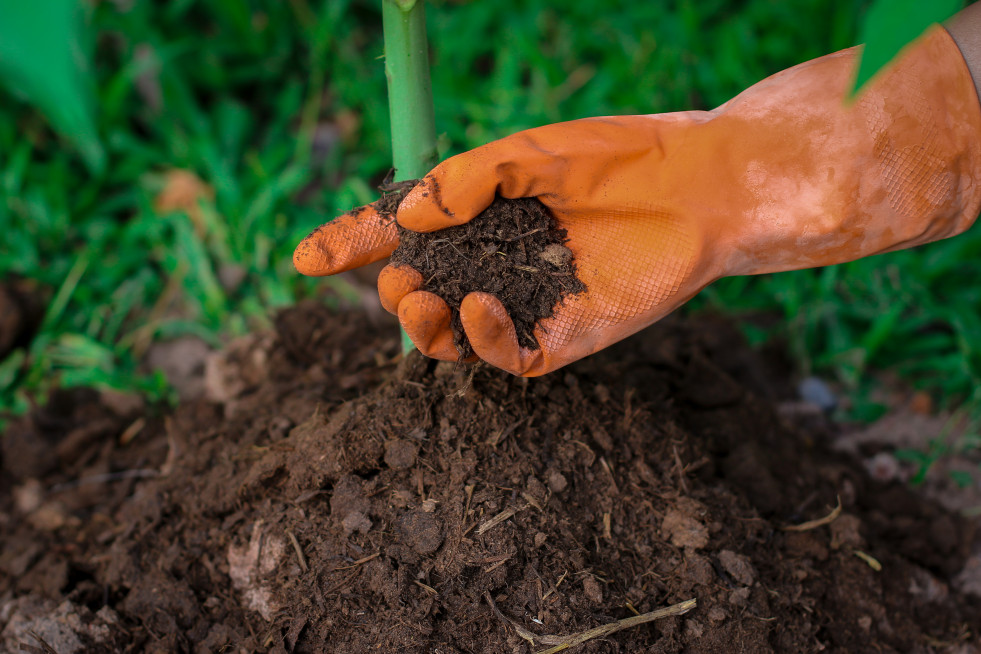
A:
(514, 250)
(342, 499)
(21, 310)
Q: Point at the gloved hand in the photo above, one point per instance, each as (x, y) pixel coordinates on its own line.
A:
(786, 175)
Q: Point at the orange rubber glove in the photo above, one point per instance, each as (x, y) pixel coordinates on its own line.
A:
(786, 175)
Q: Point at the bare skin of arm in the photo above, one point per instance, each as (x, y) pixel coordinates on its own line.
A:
(965, 28)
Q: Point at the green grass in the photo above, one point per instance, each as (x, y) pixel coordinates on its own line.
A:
(914, 312)
(281, 107)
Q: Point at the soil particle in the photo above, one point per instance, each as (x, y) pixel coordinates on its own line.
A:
(365, 526)
(717, 614)
(400, 453)
(738, 567)
(968, 580)
(593, 590)
(739, 597)
(514, 250)
(32, 624)
(684, 530)
(247, 565)
(558, 255)
(228, 374)
(845, 532)
(182, 361)
(805, 545)
(421, 530)
(557, 481)
(349, 506)
(355, 521)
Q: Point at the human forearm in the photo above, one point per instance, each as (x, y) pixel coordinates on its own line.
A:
(965, 27)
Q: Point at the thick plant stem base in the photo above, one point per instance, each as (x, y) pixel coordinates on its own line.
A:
(410, 96)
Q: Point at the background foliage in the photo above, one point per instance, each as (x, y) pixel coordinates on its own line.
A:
(274, 116)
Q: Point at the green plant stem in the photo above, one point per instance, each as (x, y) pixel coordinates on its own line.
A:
(410, 96)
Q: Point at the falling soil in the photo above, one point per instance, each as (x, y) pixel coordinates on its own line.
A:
(347, 500)
(514, 250)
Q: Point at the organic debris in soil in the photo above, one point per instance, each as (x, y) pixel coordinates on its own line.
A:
(514, 250)
(347, 503)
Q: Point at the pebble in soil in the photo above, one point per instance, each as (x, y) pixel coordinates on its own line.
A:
(514, 250)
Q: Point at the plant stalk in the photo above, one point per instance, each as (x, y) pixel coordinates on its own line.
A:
(410, 96)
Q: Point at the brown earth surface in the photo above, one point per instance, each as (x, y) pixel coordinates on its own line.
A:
(332, 497)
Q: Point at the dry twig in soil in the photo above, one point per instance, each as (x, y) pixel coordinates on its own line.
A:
(814, 524)
(561, 643)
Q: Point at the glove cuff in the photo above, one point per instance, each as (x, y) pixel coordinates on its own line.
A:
(828, 181)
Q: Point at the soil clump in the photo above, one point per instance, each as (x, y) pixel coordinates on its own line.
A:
(348, 500)
(514, 250)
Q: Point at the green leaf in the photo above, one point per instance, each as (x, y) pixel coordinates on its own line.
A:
(892, 24)
(962, 478)
(42, 59)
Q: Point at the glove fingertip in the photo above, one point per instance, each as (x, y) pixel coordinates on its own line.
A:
(425, 317)
(355, 239)
(422, 210)
(311, 258)
(394, 283)
(452, 194)
(486, 314)
(491, 332)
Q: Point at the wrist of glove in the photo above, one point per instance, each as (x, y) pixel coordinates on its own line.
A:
(786, 175)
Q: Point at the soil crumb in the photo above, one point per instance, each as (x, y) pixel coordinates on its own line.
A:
(349, 500)
(514, 250)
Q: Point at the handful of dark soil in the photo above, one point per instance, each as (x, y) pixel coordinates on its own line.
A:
(514, 249)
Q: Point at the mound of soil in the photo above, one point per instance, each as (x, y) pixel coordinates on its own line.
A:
(347, 500)
(514, 249)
